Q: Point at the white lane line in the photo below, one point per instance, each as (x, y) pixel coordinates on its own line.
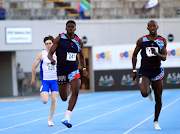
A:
(64, 112)
(19, 106)
(57, 100)
(101, 115)
(149, 117)
(48, 107)
(25, 112)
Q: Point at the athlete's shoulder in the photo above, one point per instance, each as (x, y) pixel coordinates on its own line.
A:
(140, 39)
(160, 38)
(62, 35)
(77, 38)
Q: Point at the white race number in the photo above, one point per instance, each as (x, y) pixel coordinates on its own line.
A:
(71, 56)
(149, 52)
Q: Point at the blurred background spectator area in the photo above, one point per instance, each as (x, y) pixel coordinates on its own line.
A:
(100, 9)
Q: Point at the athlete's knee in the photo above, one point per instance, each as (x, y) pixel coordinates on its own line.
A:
(75, 92)
(44, 101)
(63, 98)
(53, 101)
(144, 94)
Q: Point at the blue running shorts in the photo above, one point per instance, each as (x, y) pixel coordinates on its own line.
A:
(49, 85)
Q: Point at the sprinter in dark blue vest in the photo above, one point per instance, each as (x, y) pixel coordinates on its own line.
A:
(153, 50)
(67, 47)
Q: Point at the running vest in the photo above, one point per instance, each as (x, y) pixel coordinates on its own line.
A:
(67, 51)
(47, 70)
(150, 60)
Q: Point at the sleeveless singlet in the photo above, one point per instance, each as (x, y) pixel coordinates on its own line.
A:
(150, 60)
(67, 51)
(47, 70)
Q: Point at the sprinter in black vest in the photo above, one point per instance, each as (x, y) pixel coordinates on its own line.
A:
(67, 47)
(153, 50)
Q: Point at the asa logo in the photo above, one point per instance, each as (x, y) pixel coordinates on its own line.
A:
(104, 55)
(173, 78)
(127, 80)
(106, 81)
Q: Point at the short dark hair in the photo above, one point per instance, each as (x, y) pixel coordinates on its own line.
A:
(71, 21)
(48, 38)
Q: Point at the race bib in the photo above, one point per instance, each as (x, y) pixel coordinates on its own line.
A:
(149, 52)
(71, 56)
(51, 67)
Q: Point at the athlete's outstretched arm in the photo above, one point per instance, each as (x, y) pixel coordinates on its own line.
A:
(36, 63)
(163, 54)
(134, 57)
(82, 59)
(53, 49)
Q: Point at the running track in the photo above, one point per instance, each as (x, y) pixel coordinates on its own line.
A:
(95, 113)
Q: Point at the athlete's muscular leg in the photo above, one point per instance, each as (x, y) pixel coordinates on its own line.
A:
(64, 91)
(75, 85)
(158, 88)
(144, 84)
(44, 97)
(54, 96)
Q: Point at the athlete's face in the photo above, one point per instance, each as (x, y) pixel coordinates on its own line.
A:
(70, 28)
(152, 27)
(48, 44)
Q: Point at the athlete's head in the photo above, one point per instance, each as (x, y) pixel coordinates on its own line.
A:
(70, 27)
(48, 42)
(152, 27)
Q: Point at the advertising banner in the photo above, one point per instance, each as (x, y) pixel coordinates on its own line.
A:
(120, 57)
(115, 80)
(172, 78)
(18, 35)
(173, 55)
(121, 80)
(114, 57)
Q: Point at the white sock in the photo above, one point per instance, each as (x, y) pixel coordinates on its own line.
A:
(68, 114)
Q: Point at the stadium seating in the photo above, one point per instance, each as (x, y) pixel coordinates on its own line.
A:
(101, 9)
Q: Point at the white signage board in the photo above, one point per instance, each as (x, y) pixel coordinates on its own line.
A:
(18, 35)
(113, 57)
(173, 55)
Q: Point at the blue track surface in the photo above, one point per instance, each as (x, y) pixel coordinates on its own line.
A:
(94, 113)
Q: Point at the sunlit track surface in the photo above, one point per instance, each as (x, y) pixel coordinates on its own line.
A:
(95, 113)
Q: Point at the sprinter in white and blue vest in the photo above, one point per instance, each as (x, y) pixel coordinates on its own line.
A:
(48, 77)
(67, 47)
(153, 51)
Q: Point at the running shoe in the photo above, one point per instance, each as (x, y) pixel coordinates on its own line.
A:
(66, 123)
(156, 125)
(150, 96)
(50, 123)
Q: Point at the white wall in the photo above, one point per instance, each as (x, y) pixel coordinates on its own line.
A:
(98, 32)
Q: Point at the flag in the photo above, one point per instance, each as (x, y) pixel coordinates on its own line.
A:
(149, 5)
(82, 15)
(83, 5)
